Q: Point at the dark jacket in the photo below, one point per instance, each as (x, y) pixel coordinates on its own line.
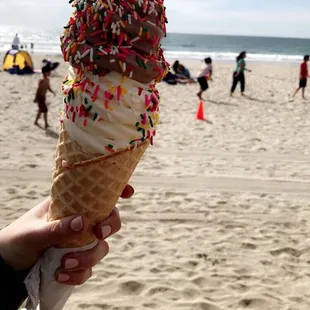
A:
(12, 288)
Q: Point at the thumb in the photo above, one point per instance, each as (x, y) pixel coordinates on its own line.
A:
(60, 231)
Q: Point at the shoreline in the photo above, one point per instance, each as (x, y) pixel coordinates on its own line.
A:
(181, 58)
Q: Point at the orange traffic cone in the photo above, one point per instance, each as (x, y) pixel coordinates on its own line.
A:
(200, 112)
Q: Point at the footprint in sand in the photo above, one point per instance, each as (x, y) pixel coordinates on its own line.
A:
(98, 306)
(132, 287)
(290, 251)
(150, 305)
(202, 256)
(11, 191)
(200, 281)
(190, 293)
(159, 290)
(255, 303)
(205, 306)
(173, 194)
(249, 246)
(5, 156)
(31, 166)
(32, 193)
(155, 270)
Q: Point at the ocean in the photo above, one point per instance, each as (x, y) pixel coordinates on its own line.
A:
(180, 46)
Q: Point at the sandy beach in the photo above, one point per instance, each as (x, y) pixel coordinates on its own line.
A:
(220, 218)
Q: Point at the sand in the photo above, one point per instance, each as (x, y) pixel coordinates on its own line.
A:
(220, 218)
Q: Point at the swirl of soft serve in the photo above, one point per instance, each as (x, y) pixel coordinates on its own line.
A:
(111, 102)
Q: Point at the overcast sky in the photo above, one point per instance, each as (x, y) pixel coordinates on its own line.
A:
(288, 18)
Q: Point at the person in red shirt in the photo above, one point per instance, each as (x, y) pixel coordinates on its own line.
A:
(303, 77)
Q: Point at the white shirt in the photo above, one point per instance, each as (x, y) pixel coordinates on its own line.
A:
(205, 71)
(16, 41)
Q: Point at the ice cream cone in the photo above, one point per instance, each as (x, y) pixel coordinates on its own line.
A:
(89, 184)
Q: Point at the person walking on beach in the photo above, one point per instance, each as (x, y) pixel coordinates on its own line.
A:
(238, 75)
(16, 42)
(303, 77)
(205, 75)
(40, 99)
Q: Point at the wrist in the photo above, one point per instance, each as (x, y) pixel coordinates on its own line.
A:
(4, 251)
(9, 251)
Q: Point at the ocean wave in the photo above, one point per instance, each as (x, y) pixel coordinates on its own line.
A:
(232, 56)
(188, 45)
(51, 48)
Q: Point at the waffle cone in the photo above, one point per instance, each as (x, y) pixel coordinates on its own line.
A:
(88, 184)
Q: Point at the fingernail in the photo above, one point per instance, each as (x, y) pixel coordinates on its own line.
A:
(71, 263)
(105, 231)
(62, 277)
(77, 224)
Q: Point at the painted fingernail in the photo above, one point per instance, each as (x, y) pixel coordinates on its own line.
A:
(105, 231)
(71, 263)
(77, 224)
(62, 277)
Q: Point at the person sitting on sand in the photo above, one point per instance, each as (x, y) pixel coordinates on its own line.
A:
(170, 78)
(40, 98)
(303, 77)
(238, 75)
(182, 72)
(204, 76)
(175, 66)
(27, 69)
(173, 79)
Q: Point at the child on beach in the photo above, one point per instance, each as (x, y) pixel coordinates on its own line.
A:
(40, 98)
(303, 77)
(204, 76)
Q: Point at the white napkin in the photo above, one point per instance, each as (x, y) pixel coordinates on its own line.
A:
(43, 290)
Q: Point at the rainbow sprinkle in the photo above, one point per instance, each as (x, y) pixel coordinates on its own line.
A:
(114, 35)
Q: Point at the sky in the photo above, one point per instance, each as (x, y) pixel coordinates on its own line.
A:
(284, 18)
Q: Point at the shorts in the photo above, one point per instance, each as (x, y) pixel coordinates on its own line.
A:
(203, 83)
(41, 104)
(303, 83)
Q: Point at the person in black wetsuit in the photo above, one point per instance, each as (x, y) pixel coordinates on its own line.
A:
(24, 241)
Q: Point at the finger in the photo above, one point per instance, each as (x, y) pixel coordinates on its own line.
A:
(128, 192)
(42, 208)
(86, 259)
(60, 231)
(73, 277)
(109, 226)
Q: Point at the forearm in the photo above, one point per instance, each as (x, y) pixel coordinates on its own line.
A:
(12, 287)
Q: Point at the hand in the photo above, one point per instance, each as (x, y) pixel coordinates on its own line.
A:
(24, 241)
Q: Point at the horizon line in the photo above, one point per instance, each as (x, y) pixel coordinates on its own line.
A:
(240, 35)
